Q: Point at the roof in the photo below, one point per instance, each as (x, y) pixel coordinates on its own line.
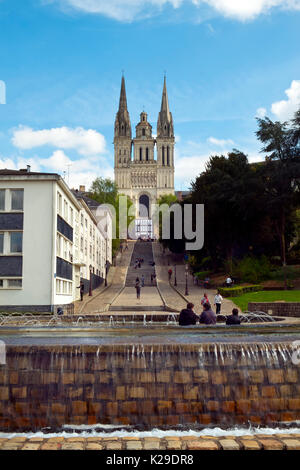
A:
(91, 203)
(8, 172)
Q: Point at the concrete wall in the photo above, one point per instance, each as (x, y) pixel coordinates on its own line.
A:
(281, 309)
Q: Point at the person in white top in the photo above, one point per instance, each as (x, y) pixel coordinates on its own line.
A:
(218, 302)
(228, 282)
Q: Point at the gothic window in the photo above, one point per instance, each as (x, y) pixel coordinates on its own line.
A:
(124, 152)
(168, 156)
(125, 160)
(141, 153)
(147, 154)
(144, 132)
(163, 155)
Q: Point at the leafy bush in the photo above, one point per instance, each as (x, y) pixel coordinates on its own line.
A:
(251, 269)
(239, 290)
(202, 274)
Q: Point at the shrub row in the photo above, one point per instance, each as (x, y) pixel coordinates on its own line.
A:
(239, 290)
(202, 275)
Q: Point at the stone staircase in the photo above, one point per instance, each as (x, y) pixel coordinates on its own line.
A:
(142, 249)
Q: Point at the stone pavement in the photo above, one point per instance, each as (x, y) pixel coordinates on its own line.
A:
(170, 442)
(104, 296)
(172, 295)
(149, 298)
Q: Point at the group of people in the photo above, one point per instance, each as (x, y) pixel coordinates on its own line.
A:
(208, 316)
(138, 263)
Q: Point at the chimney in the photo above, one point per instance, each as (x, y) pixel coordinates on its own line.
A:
(28, 168)
(82, 189)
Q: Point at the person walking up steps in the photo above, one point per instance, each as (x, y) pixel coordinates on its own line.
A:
(218, 302)
(138, 288)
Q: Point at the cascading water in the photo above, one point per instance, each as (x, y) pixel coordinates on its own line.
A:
(149, 385)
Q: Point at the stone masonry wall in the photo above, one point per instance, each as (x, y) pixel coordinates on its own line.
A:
(281, 309)
(148, 386)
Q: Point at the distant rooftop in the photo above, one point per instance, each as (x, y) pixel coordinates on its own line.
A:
(24, 171)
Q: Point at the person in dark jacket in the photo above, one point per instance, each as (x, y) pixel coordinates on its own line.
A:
(234, 318)
(81, 287)
(187, 316)
(208, 317)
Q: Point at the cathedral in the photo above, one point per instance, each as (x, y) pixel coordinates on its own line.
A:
(144, 165)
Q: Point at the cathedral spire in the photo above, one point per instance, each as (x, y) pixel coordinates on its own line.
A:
(122, 122)
(123, 99)
(164, 101)
(165, 120)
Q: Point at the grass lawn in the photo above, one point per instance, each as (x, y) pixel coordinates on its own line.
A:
(265, 296)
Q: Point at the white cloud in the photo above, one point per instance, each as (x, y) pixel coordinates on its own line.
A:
(130, 10)
(285, 109)
(85, 142)
(220, 142)
(77, 172)
(249, 9)
(261, 112)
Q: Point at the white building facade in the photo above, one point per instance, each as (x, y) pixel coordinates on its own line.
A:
(44, 250)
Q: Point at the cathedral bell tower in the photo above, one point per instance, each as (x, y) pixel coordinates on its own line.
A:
(122, 138)
(165, 141)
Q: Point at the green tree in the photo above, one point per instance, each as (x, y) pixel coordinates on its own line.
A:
(282, 173)
(105, 191)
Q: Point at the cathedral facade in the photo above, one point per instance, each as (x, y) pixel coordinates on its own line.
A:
(144, 165)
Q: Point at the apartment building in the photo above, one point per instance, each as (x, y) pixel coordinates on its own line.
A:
(49, 241)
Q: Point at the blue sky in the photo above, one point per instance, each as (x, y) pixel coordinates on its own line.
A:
(61, 62)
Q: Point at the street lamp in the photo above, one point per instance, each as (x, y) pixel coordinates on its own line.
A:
(105, 282)
(175, 278)
(186, 279)
(90, 288)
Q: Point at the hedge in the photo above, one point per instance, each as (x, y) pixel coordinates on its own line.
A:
(239, 290)
(202, 275)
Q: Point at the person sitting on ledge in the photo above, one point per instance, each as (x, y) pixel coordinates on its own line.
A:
(234, 318)
(187, 316)
(208, 317)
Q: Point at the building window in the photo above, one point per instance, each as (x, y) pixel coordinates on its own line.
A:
(147, 154)
(16, 242)
(59, 203)
(144, 132)
(163, 155)
(168, 156)
(65, 210)
(15, 283)
(17, 197)
(2, 199)
(141, 153)
(1, 283)
(1, 242)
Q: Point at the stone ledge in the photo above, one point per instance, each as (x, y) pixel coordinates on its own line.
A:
(255, 442)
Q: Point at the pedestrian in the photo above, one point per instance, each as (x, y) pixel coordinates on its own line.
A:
(218, 302)
(126, 247)
(143, 280)
(151, 278)
(81, 287)
(187, 316)
(204, 299)
(229, 282)
(138, 288)
(208, 317)
(234, 318)
(170, 273)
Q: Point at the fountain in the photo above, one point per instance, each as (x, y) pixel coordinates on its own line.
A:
(148, 375)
